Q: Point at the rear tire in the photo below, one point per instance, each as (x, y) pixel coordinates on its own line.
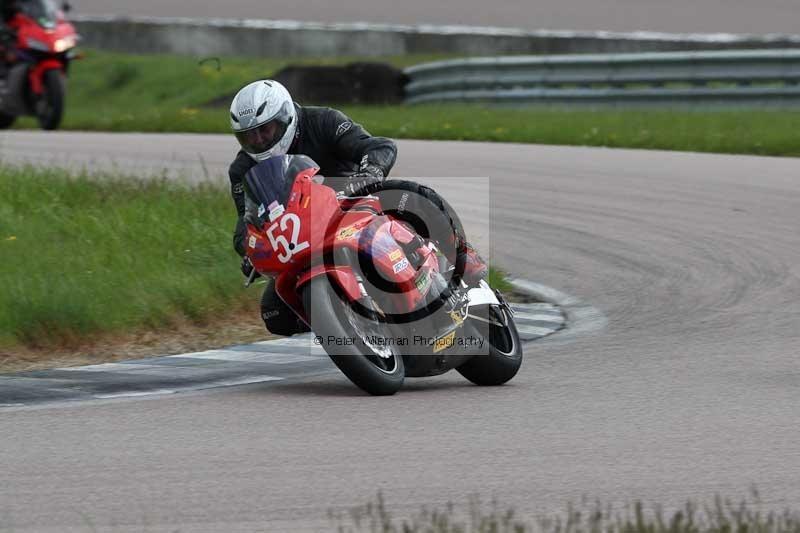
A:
(50, 106)
(331, 321)
(6, 121)
(503, 360)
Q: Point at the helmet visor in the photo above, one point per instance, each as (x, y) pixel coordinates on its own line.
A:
(262, 138)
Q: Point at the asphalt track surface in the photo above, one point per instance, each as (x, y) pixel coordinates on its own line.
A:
(677, 16)
(692, 389)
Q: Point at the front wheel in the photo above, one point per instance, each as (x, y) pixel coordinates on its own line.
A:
(505, 353)
(376, 368)
(50, 105)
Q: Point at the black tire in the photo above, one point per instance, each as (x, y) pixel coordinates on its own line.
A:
(331, 319)
(50, 107)
(6, 121)
(503, 360)
(279, 318)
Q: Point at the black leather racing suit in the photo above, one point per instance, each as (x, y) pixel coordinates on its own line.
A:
(7, 35)
(341, 148)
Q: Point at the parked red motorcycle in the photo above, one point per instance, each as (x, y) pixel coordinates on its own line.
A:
(384, 302)
(33, 71)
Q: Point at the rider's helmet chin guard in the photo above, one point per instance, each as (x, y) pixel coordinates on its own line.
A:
(264, 119)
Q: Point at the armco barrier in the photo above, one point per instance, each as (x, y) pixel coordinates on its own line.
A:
(275, 38)
(734, 78)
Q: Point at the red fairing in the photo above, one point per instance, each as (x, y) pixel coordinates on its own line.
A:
(29, 32)
(343, 276)
(293, 243)
(288, 242)
(400, 232)
(285, 247)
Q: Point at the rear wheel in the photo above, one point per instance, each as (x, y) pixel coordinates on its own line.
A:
(6, 121)
(352, 340)
(505, 353)
(50, 106)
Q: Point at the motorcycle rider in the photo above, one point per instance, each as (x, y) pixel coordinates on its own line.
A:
(8, 8)
(268, 123)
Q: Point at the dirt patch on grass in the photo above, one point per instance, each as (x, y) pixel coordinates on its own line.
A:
(241, 326)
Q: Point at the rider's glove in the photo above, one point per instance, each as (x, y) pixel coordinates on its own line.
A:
(247, 268)
(368, 169)
(360, 183)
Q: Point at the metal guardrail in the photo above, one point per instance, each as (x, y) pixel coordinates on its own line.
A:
(728, 78)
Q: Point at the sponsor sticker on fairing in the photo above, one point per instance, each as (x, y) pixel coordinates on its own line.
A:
(445, 342)
(395, 255)
(275, 211)
(457, 318)
(423, 282)
(402, 265)
(253, 241)
(346, 233)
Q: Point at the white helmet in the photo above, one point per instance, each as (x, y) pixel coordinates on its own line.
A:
(264, 119)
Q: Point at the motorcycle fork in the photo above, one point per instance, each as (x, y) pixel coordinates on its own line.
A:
(36, 74)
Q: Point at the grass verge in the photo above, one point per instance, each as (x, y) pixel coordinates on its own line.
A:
(82, 256)
(721, 516)
(119, 92)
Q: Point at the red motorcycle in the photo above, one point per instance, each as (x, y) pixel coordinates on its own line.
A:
(383, 301)
(33, 73)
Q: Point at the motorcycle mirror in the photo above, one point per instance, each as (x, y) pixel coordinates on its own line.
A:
(66, 7)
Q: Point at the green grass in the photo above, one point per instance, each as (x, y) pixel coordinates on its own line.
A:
(737, 132)
(499, 280)
(83, 255)
(721, 516)
(116, 92)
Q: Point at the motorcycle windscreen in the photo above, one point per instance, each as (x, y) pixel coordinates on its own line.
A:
(271, 180)
(42, 11)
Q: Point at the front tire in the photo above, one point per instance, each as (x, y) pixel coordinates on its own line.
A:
(334, 321)
(503, 360)
(50, 106)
